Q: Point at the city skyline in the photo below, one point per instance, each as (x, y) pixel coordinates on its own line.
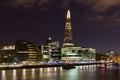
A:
(92, 25)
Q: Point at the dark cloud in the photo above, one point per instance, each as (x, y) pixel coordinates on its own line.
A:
(105, 19)
(97, 18)
(17, 3)
(22, 3)
(97, 5)
(65, 3)
(93, 6)
(102, 5)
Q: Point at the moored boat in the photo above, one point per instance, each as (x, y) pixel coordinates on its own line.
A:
(68, 67)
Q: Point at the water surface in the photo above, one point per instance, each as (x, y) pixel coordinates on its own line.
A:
(57, 73)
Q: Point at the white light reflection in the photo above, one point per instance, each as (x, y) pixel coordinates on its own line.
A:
(33, 74)
(60, 68)
(41, 71)
(24, 74)
(14, 75)
(3, 75)
(80, 67)
(55, 69)
(48, 69)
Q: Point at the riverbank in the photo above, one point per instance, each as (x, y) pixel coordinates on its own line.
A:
(16, 66)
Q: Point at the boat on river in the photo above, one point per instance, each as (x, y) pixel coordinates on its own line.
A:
(68, 67)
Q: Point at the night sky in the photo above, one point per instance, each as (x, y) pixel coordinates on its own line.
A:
(95, 23)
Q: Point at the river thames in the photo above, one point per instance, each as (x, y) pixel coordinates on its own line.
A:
(57, 73)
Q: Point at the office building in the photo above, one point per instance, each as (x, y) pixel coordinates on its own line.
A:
(51, 51)
(71, 52)
(20, 51)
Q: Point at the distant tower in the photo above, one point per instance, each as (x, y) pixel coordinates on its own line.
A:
(68, 40)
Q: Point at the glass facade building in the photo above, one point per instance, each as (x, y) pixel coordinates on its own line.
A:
(51, 51)
(77, 54)
(20, 51)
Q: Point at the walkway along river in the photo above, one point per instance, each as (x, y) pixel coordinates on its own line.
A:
(16, 66)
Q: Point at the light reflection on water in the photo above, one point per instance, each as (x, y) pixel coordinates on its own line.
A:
(24, 74)
(3, 77)
(57, 73)
(14, 74)
(33, 74)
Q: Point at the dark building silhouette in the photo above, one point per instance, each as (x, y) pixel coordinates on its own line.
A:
(20, 51)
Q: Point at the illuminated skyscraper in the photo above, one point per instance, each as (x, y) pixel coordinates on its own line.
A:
(68, 39)
(71, 52)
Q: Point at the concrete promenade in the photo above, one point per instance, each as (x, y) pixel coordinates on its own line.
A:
(49, 65)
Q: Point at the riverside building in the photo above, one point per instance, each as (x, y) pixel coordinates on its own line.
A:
(51, 51)
(20, 51)
(72, 53)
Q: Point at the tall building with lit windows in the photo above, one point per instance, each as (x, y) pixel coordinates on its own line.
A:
(68, 39)
(20, 51)
(51, 51)
(27, 51)
(70, 52)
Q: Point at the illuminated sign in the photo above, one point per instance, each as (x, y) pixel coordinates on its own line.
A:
(11, 47)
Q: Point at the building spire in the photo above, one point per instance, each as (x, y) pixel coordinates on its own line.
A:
(68, 14)
(68, 40)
